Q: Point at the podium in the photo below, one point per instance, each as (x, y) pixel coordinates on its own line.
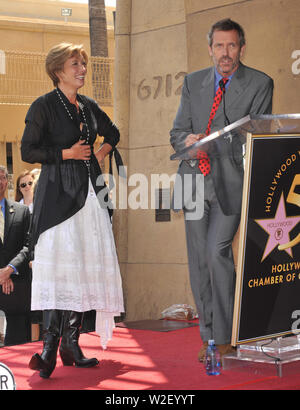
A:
(266, 320)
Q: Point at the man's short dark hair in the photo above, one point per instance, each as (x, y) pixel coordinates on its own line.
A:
(226, 25)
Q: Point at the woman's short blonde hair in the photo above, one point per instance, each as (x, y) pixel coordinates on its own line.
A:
(58, 55)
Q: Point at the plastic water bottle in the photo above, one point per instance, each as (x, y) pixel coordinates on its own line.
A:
(212, 359)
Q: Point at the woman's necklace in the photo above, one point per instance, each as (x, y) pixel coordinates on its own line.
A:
(81, 107)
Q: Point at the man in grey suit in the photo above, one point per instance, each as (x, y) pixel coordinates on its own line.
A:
(209, 237)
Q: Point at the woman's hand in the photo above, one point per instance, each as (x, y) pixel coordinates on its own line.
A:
(78, 151)
(102, 152)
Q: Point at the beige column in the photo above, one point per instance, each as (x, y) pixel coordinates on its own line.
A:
(3, 152)
(121, 118)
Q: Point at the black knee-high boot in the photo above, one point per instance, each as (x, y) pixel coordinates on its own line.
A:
(46, 362)
(69, 349)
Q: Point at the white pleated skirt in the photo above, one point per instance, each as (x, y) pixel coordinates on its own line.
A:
(76, 268)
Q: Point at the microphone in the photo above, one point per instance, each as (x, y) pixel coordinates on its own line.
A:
(223, 89)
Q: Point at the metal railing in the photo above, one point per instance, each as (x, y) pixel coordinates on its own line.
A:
(23, 78)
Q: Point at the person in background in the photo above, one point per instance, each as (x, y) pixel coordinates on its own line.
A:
(36, 174)
(24, 189)
(75, 267)
(15, 279)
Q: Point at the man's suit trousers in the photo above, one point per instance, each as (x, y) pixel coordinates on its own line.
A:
(211, 266)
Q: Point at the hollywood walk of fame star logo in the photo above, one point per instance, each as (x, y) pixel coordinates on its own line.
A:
(278, 229)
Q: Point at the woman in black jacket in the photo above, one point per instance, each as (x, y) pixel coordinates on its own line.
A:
(75, 267)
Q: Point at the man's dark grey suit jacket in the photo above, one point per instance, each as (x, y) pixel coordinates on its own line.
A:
(250, 92)
(13, 250)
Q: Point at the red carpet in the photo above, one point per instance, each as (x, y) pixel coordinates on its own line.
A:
(139, 360)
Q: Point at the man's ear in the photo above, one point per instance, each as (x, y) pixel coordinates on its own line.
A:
(242, 52)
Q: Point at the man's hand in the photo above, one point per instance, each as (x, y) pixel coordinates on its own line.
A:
(8, 287)
(193, 138)
(5, 281)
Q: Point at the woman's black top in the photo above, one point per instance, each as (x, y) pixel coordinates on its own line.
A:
(63, 185)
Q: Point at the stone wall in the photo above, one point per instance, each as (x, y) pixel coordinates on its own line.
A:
(156, 43)
(152, 254)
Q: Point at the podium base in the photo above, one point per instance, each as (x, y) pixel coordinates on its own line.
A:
(279, 356)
